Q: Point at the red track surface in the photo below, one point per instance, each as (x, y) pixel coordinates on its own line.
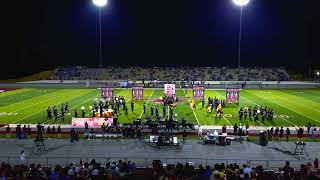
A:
(7, 89)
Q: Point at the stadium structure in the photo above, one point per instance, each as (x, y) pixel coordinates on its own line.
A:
(176, 122)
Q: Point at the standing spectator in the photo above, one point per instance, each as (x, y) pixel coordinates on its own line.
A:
(316, 164)
(300, 135)
(39, 129)
(53, 130)
(86, 130)
(308, 128)
(200, 131)
(72, 135)
(281, 133)
(18, 132)
(235, 129)
(22, 157)
(59, 132)
(184, 135)
(48, 130)
(247, 130)
(276, 134)
(29, 131)
(314, 132)
(24, 132)
(224, 129)
(287, 171)
(287, 134)
(8, 131)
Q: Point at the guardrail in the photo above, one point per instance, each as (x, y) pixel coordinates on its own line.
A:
(147, 161)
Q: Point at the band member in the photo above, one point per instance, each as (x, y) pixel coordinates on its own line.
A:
(126, 110)
(151, 110)
(132, 105)
(75, 113)
(55, 113)
(245, 113)
(49, 116)
(83, 113)
(66, 108)
(202, 102)
(157, 111)
(144, 107)
(163, 110)
(240, 113)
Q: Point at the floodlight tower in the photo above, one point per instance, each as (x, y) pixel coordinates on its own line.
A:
(100, 4)
(240, 3)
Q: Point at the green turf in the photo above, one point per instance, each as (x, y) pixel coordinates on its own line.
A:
(292, 107)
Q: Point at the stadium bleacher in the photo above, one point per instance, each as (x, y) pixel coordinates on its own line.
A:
(171, 74)
(128, 170)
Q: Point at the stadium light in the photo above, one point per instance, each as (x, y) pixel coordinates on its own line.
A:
(318, 73)
(240, 3)
(100, 4)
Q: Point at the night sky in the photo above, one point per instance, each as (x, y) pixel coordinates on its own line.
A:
(43, 34)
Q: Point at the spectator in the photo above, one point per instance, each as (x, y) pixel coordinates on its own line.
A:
(8, 131)
(246, 169)
(22, 157)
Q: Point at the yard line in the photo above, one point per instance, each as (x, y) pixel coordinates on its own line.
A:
(294, 110)
(192, 108)
(76, 106)
(146, 104)
(304, 94)
(35, 104)
(39, 112)
(296, 103)
(227, 121)
(275, 113)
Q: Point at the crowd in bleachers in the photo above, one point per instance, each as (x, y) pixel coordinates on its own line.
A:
(158, 171)
(171, 74)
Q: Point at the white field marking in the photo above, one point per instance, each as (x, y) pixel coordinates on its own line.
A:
(305, 94)
(295, 111)
(192, 109)
(239, 107)
(41, 111)
(146, 104)
(39, 102)
(297, 103)
(274, 114)
(76, 106)
(227, 121)
(297, 92)
(25, 107)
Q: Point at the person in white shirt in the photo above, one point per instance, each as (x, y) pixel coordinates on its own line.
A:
(22, 157)
(200, 131)
(215, 133)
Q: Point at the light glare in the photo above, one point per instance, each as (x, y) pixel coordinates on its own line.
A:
(241, 2)
(100, 3)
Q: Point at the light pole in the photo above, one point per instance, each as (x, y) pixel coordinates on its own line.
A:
(240, 3)
(100, 4)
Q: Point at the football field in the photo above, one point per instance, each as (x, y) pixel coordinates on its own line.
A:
(292, 107)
